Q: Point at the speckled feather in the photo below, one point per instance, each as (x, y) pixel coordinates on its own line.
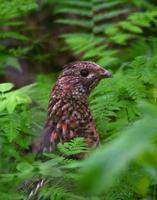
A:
(69, 115)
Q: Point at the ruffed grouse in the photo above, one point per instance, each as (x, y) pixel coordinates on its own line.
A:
(68, 112)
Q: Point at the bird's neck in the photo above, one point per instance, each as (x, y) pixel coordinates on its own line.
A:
(70, 89)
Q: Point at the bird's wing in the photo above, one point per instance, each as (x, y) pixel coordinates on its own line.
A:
(50, 135)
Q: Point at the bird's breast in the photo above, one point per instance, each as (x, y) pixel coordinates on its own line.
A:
(69, 118)
(76, 124)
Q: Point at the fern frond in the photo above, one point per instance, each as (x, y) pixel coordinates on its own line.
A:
(75, 146)
(14, 8)
(115, 22)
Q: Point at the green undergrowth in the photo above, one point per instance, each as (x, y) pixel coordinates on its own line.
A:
(119, 35)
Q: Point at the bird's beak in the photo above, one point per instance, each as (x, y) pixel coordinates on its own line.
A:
(104, 73)
(107, 74)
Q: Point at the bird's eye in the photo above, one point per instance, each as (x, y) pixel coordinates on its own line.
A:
(84, 72)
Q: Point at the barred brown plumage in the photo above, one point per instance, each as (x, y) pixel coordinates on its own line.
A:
(68, 112)
(69, 115)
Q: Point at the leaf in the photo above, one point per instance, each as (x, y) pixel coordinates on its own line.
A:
(23, 98)
(11, 103)
(12, 131)
(4, 87)
(24, 167)
(2, 105)
(13, 62)
(103, 167)
(12, 34)
(75, 146)
(130, 27)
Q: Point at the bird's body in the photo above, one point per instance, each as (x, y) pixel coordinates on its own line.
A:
(69, 115)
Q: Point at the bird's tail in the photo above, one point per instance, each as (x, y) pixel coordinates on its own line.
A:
(44, 143)
(31, 188)
(35, 190)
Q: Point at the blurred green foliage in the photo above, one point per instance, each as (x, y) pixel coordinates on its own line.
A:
(120, 35)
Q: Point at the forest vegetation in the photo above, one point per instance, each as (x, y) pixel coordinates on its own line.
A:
(36, 39)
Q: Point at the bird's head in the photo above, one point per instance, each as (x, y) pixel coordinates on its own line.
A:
(86, 74)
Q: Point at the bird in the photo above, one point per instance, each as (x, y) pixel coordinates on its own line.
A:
(69, 115)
